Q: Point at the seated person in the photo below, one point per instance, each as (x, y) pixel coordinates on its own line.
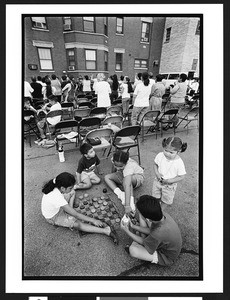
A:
(86, 167)
(160, 241)
(55, 105)
(128, 174)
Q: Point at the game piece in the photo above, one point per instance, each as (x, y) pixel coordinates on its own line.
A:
(93, 210)
(105, 203)
(81, 197)
(96, 205)
(86, 195)
(85, 202)
(102, 207)
(118, 220)
(94, 199)
(104, 190)
(82, 206)
(76, 205)
(102, 198)
(100, 201)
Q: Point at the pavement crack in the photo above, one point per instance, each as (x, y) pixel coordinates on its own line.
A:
(183, 250)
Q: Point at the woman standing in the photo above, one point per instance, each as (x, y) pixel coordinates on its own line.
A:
(141, 99)
(103, 90)
(86, 84)
(114, 88)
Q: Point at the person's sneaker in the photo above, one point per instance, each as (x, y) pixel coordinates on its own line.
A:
(38, 141)
(42, 142)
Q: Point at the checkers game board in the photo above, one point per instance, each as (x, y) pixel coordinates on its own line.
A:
(101, 208)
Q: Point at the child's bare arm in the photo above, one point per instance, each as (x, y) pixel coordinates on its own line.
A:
(145, 230)
(155, 167)
(133, 236)
(78, 177)
(173, 180)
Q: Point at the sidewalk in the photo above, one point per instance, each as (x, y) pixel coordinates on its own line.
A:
(54, 251)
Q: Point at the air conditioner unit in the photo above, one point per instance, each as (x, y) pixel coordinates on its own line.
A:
(67, 27)
(40, 25)
(71, 68)
(145, 39)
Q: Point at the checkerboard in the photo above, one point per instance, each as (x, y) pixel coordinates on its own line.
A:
(101, 208)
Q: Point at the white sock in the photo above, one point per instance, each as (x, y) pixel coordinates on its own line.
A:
(117, 191)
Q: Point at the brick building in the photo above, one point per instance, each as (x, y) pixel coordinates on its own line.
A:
(114, 45)
(181, 45)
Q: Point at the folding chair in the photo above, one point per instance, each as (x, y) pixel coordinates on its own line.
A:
(37, 104)
(67, 109)
(192, 115)
(66, 130)
(194, 100)
(88, 96)
(127, 138)
(168, 118)
(115, 110)
(117, 101)
(81, 113)
(80, 95)
(86, 104)
(86, 125)
(94, 101)
(149, 122)
(51, 114)
(113, 122)
(105, 136)
(165, 100)
(99, 112)
(30, 125)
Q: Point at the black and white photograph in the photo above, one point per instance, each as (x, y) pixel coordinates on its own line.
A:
(113, 151)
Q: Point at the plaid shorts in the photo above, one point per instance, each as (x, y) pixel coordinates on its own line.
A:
(165, 192)
(139, 178)
(62, 219)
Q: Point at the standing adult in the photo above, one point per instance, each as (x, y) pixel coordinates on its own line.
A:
(103, 90)
(114, 88)
(86, 84)
(28, 90)
(125, 96)
(141, 99)
(57, 85)
(37, 87)
(157, 91)
(151, 79)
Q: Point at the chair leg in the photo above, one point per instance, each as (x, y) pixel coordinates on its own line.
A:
(139, 157)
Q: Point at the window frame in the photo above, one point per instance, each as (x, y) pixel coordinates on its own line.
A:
(168, 34)
(106, 26)
(116, 62)
(122, 26)
(140, 66)
(51, 58)
(198, 28)
(67, 18)
(37, 27)
(95, 51)
(148, 26)
(93, 22)
(194, 62)
(68, 57)
(106, 60)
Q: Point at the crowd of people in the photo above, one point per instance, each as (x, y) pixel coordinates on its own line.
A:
(157, 238)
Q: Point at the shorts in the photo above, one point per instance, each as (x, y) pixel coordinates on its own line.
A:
(62, 219)
(89, 175)
(153, 257)
(165, 192)
(139, 178)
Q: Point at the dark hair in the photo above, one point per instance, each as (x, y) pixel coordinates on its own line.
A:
(174, 142)
(64, 77)
(115, 83)
(53, 98)
(149, 207)
(121, 156)
(85, 147)
(122, 77)
(64, 179)
(183, 77)
(86, 77)
(48, 88)
(39, 78)
(53, 76)
(145, 78)
(43, 79)
(150, 75)
(130, 87)
(139, 75)
(33, 78)
(159, 77)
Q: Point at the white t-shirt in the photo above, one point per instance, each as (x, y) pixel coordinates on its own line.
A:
(52, 202)
(27, 89)
(170, 168)
(142, 93)
(55, 120)
(125, 94)
(86, 85)
(102, 89)
(151, 81)
(132, 168)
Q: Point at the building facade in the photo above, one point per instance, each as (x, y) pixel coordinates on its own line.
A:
(89, 45)
(181, 46)
(110, 44)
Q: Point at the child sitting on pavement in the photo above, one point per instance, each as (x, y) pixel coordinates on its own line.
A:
(169, 169)
(128, 174)
(162, 239)
(57, 207)
(86, 167)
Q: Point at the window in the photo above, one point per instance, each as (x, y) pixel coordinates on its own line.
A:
(90, 59)
(39, 22)
(194, 64)
(67, 23)
(168, 33)
(106, 26)
(140, 63)
(71, 59)
(145, 32)
(88, 24)
(120, 25)
(118, 66)
(106, 61)
(45, 58)
(198, 28)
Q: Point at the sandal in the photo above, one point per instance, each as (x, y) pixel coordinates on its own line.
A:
(113, 235)
(127, 249)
